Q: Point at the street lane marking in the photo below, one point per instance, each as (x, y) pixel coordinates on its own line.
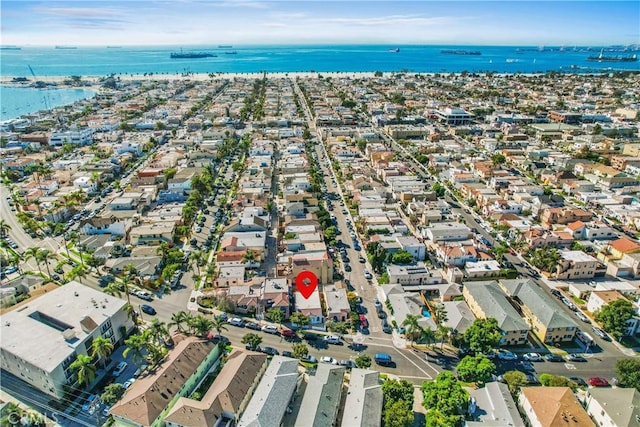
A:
(570, 366)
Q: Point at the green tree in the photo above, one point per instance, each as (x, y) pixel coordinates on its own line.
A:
(483, 335)
(397, 390)
(299, 350)
(446, 396)
(363, 361)
(402, 257)
(300, 319)
(33, 252)
(219, 324)
(112, 393)
(545, 258)
(628, 372)
(102, 347)
(201, 325)
(413, 330)
(549, 380)
(84, 368)
(136, 346)
(439, 189)
(476, 368)
(435, 418)
(4, 228)
(275, 315)
(252, 340)
(398, 414)
(181, 320)
(515, 380)
(498, 159)
(614, 316)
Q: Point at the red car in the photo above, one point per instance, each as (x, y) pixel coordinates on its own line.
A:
(598, 382)
(363, 322)
(288, 333)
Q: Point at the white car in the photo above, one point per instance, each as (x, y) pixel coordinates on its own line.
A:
(532, 357)
(332, 339)
(507, 355)
(128, 383)
(270, 329)
(328, 359)
(120, 369)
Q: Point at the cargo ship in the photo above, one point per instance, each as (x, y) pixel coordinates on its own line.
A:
(191, 55)
(602, 58)
(395, 50)
(66, 47)
(460, 52)
(10, 48)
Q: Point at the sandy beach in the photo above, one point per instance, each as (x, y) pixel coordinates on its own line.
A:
(95, 80)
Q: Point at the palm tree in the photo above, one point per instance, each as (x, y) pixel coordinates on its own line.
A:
(180, 319)
(202, 325)
(442, 333)
(413, 330)
(102, 348)
(163, 250)
(78, 272)
(74, 238)
(45, 255)
(137, 346)
(158, 330)
(84, 369)
(33, 252)
(218, 324)
(126, 282)
(4, 228)
(197, 257)
(113, 290)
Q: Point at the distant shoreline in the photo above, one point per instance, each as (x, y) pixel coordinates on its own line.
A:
(96, 80)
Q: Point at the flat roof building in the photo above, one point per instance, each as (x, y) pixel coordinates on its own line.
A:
(319, 407)
(41, 339)
(271, 398)
(363, 406)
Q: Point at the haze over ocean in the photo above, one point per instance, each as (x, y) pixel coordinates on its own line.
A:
(102, 61)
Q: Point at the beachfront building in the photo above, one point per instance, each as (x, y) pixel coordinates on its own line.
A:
(43, 338)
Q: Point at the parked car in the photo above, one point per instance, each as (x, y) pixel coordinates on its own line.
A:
(386, 328)
(551, 357)
(381, 314)
(120, 369)
(532, 379)
(367, 275)
(236, 321)
(348, 363)
(532, 357)
(377, 302)
(288, 354)
(252, 325)
(146, 308)
(507, 355)
(309, 359)
(91, 400)
(269, 350)
(580, 315)
(270, 329)
(579, 381)
(328, 359)
(598, 382)
(128, 383)
(602, 334)
(332, 339)
(575, 358)
(310, 337)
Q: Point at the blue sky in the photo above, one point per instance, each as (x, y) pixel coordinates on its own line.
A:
(236, 22)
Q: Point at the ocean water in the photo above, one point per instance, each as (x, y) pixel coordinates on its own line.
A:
(101, 61)
(17, 101)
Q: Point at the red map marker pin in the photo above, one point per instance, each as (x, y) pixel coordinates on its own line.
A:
(306, 282)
